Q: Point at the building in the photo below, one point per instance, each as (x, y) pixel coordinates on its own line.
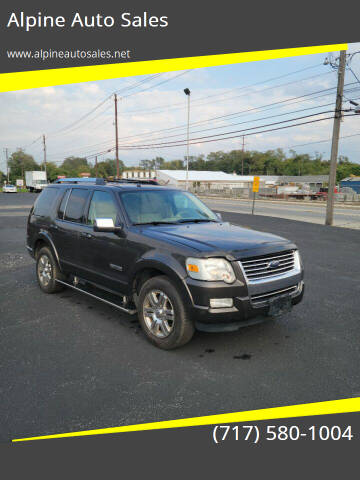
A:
(215, 180)
(207, 179)
(351, 182)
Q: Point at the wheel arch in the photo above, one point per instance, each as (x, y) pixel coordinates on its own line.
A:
(152, 268)
(44, 239)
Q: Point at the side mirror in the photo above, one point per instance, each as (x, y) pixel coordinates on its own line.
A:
(219, 216)
(105, 225)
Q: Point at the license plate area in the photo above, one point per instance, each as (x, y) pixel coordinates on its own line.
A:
(279, 306)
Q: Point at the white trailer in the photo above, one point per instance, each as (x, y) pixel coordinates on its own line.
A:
(35, 181)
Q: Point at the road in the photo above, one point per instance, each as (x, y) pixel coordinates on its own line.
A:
(348, 217)
(70, 363)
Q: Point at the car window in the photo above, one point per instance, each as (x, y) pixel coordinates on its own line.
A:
(75, 205)
(63, 204)
(45, 202)
(102, 205)
(167, 206)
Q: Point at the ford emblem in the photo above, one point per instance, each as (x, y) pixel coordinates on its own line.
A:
(273, 264)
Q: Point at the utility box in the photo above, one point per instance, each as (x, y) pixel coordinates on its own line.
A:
(35, 181)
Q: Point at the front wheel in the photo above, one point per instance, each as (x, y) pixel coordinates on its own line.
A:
(162, 314)
(47, 271)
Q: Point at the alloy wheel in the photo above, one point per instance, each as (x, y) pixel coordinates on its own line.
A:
(44, 270)
(159, 314)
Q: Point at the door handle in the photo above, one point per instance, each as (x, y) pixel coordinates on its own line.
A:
(86, 235)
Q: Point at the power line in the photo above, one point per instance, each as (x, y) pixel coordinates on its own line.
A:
(157, 84)
(207, 129)
(85, 116)
(32, 143)
(175, 142)
(241, 87)
(248, 121)
(81, 118)
(239, 113)
(136, 84)
(154, 147)
(232, 137)
(166, 107)
(109, 142)
(320, 141)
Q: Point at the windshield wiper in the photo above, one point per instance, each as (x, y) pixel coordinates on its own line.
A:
(196, 220)
(155, 222)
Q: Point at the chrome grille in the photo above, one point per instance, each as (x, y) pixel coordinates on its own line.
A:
(270, 265)
(265, 297)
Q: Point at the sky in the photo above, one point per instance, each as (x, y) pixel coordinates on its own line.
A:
(78, 119)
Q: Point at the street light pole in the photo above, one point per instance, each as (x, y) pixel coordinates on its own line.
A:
(187, 92)
(116, 137)
(335, 140)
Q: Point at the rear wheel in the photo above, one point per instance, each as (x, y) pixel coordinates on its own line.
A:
(162, 314)
(47, 271)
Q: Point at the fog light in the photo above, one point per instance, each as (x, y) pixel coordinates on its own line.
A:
(221, 302)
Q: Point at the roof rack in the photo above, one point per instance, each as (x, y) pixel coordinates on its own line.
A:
(136, 181)
(103, 181)
(79, 180)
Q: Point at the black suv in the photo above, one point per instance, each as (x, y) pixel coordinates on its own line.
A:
(161, 253)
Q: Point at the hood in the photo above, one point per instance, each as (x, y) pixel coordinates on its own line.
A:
(222, 239)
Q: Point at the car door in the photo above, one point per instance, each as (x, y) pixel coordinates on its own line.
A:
(67, 229)
(107, 250)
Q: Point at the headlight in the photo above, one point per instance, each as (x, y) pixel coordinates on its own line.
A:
(210, 269)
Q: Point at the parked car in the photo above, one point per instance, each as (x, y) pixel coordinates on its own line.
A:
(9, 189)
(163, 254)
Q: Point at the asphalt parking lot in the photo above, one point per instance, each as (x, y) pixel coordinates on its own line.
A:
(70, 363)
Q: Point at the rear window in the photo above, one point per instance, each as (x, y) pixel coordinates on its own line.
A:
(63, 204)
(75, 205)
(45, 202)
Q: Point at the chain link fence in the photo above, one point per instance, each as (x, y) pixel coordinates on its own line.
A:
(346, 195)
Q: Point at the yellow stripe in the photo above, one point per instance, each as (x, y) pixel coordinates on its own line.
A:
(62, 76)
(304, 410)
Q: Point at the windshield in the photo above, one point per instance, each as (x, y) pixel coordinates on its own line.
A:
(165, 206)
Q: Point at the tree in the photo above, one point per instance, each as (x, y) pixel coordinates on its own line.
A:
(107, 168)
(156, 163)
(19, 163)
(52, 171)
(145, 164)
(72, 163)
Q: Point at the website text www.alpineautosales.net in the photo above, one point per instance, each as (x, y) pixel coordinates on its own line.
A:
(49, 54)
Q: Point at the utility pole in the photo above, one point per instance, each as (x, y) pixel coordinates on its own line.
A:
(335, 139)
(242, 158)
(116, 137)
(96, 167)
(7, 163)
(187, 93)
(44, 149)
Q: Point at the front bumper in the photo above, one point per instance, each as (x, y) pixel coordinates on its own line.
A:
(251, 303)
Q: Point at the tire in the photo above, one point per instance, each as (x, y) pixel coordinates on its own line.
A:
(158, 297)
(47, 271)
